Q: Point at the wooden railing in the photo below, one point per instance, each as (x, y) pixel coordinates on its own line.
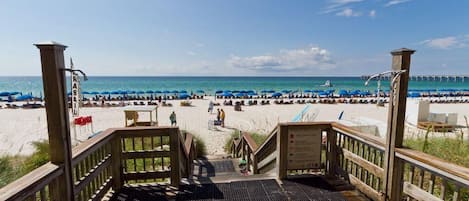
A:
(359, 157)
(111, 159)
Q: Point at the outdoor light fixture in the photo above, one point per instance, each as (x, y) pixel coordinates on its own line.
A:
(76, 70)
(395, 75)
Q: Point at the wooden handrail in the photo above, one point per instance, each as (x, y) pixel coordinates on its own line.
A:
(435, 165)
(364, 137)
(82, 150)
(271, 136)
(250, 142)
(32, 182)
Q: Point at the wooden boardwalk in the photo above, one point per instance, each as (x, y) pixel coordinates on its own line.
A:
(305, 188)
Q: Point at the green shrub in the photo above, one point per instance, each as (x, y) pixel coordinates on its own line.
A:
(258, 138)
(6, 170)
(200, 146)
(452, 150)
(39, 157)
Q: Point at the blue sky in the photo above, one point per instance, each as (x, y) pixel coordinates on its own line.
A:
(242, 37)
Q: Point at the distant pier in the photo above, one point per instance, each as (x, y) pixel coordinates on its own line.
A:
(436, 78)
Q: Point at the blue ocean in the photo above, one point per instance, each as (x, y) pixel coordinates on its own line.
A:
(211, 84)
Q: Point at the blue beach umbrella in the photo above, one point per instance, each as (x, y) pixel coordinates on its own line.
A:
(218, 91)
(252, 93)
(14, 93)
(200, 91)
(140, 92)
(115, 92)
(94, 93)
(183, 96)
(166, 92)
(183, 91)
(105, 92)
(240, 94)
(276, 94)
(24, 97)
(149, 91)
(85, 92)
(4, 93)
(174, 91)
(307, 91)
(157, 91)
(226, 94)
(343, 93)
(286, 91)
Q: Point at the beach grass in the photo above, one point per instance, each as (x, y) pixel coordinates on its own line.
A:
(454, 150)
(257, 137)
(14, 167)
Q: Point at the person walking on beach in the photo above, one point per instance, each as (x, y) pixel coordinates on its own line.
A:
(210, 107)
(172, 118)
(218, 114)
(222, 117)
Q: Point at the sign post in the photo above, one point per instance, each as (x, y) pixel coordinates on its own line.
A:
(76, 94)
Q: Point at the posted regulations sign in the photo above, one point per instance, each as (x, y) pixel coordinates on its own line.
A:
(304, 148)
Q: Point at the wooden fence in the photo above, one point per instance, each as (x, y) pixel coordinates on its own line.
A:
(110, 160)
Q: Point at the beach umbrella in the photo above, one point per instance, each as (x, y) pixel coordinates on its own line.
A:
(130, 92)
(94, 93)
(218, 91)
(166, 92)
(200, 91)
(140, 92)
(4, 93)
(157, 91)
(105, 92)
(307, 91)
(115, 92)
(240, 94)
(14, 93)
(286, 91)
(252, 93)
(226, 94)
(365, 93)
(184, 96)
(343, 93)
(149, 91)
(174, 91)
(227, 91)
(24, 97)
(276, 94)
(271, 91)
(85, 92)
(183, 91)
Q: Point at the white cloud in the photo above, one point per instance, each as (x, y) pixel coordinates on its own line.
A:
(395, 2)
(286, 60)
(336, 5)
(372, 13)
(348, 12)
(191, 53)
(447, 42)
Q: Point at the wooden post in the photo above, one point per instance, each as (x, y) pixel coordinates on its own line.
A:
(282, 150)
(175, 153)
(332, 153)
(116, 163)
(394, 167)
(60, 153)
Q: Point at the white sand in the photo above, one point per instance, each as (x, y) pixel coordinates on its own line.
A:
(20, 127)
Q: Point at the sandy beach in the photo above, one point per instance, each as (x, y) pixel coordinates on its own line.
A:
(21, 127)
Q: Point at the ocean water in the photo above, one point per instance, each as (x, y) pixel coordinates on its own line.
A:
(211, 84)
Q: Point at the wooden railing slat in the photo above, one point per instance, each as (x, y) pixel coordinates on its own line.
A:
(418, 193)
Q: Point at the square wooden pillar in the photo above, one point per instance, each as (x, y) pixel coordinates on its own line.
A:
(394, 167)
(53, 78)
